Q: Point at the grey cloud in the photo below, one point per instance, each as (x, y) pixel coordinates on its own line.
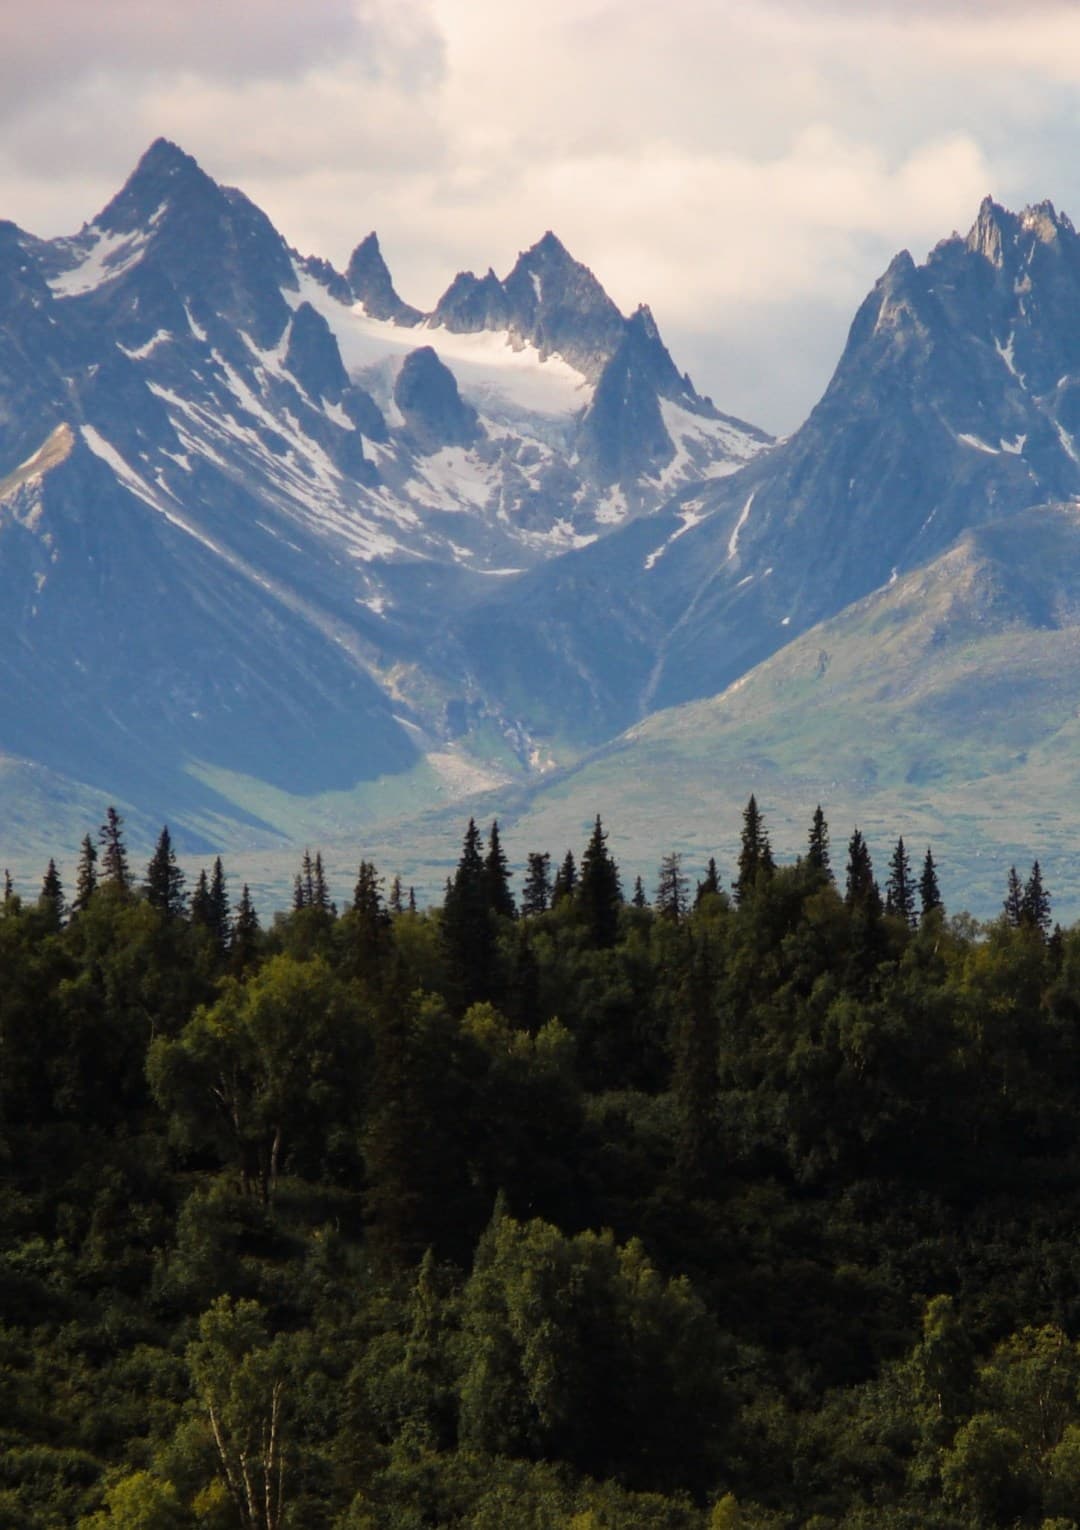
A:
(55, 40)
(50, 49)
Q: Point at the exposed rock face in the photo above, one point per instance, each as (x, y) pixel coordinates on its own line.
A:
(239, 489)
(434, 411)
(370, 283)
(956, 401)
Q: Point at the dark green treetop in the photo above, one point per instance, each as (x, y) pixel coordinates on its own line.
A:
(817, 848)
(164, 884)
(599, 891)
(755, 852)
(900, 886)
(536, 892)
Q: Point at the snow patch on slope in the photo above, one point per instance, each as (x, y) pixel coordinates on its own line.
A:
(104, 258)
(697, 441)
(733, 540)
(492, 369)
(691, 514)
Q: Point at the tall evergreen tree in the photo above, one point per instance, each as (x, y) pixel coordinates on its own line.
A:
(709, 884)
(320, 897)
(9, 887)
(297, 894)
(862, 891)
(219, 918)
(114, 860)
(307, 879)
(1035, 904)
(755, 853)
(85, 875)
(817, 848)
(164, 884)
(900, 886)
(639, 900)
(671, 888)
(245, 932)
(396, 904)
(412, 899)
(467, 927)
(566, 880)
(599, 892)
(368, 924)
(1014, 899)
(52, 895)
(201, 913)
(929, 893)
(536, 892)
(367, 895)
(497, 877)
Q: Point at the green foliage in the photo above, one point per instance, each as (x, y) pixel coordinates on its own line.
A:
(785, 1203)
(577, 1349)
(139, 1501)
(253, 1074)
(598, 893)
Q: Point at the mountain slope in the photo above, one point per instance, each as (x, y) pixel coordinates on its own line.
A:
(956, 400)
(236, 484)
(943, 707)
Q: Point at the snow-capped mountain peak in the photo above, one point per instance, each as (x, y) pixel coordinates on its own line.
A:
(238, 488)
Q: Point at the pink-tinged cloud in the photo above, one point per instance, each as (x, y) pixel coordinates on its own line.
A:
(51, 40)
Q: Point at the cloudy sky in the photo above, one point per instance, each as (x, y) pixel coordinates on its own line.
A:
(748, 167)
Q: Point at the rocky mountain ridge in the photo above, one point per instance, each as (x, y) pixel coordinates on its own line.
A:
(956, 401)
(234, 494)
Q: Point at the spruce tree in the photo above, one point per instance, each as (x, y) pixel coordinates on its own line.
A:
(599, 894)
(368, 925)
(755, 853)
(397, 901)
(200, 902)
(245, 932)
(164, 884)
(1035, 904)
(307, 879)
(862, 891)
(497, 877)
(710, 884)
(320, 898)
(467, 926)
(297, 894)
(9, 888)
(536, 892)
(367, 895)
(1014, 899)
(85, 876)
(671, 886)
(566, 880)
(114, 861)
(900, 887)
(412, 899)
(639, 899)
(52, 895)
(817, 849)
(218, 917)
(929, 893)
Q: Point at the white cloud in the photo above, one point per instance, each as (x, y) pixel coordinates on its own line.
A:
(746, 169)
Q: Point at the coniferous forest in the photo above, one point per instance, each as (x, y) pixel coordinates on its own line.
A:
(749, 1201)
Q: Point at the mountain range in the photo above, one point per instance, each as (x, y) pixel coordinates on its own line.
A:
(240, 488)
(284, 555)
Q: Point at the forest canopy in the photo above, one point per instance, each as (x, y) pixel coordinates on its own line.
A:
(693, 1207)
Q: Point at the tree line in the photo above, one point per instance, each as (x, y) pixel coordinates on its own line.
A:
(752, 1205)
